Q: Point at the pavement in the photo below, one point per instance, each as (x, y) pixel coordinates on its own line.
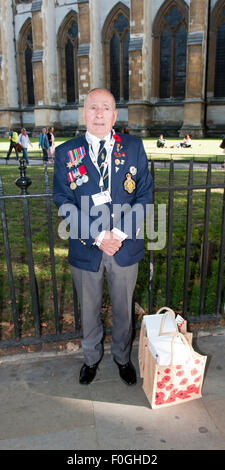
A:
(43, 406)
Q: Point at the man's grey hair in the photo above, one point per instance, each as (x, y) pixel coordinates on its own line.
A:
(101, 89)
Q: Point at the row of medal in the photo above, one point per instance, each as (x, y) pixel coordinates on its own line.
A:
(79, 181)
(78, 176)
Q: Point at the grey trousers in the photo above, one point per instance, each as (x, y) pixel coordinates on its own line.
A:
(121, 285)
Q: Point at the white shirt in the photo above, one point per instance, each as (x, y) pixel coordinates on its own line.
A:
(24, 140)
(95, 142)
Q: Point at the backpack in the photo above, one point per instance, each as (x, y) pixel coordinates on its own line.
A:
(14, 137)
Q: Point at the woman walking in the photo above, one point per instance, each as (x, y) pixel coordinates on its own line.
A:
(24, 141)
(51, 149)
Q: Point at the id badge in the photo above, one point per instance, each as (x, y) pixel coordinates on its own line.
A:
(101, 198)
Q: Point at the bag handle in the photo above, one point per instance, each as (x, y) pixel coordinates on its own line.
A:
(167, 309)
(170, 312)
(180, 335)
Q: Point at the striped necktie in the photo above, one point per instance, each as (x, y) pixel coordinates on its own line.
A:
(101, 160)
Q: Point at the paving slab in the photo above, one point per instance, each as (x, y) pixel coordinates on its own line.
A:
(43, 406)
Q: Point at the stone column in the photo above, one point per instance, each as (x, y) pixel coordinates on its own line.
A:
(83, 55)
(194, 105)
(9, 97)
(49, 61)
(96, 70)
(138, 107)
(37, 63)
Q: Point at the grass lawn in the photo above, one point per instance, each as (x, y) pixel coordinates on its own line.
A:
(41, 254)
(201, 149)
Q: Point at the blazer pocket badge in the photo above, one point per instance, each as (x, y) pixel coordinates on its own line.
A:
(129, 184)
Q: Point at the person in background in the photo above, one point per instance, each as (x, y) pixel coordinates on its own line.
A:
(51, 149)
(13, 137)
(186, 142)
(44, 144)
(24, 141)
(222, 146)
(161, 141)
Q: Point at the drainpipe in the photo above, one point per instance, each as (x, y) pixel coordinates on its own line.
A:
(207, 63)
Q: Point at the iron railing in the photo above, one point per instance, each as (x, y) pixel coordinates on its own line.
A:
(23, 182)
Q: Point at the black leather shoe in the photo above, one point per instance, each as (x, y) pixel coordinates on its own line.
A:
(88, 373)
(127, 372)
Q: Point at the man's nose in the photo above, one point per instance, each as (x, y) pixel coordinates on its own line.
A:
(99, 112)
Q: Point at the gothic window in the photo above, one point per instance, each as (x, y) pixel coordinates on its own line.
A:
(219, 83)
(173, 56)
(29, 69)
(116, 38)
(25, 68)
(70, 47)
(170, 45)
(68, 62)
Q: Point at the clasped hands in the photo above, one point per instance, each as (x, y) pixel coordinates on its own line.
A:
(110, 244)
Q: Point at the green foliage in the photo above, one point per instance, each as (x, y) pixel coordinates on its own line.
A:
(41, 253)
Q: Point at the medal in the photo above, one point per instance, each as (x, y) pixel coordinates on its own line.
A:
(79, 181)
(129, 184)
(73, 185)
(76, 156)
(85, 178)
(133, 170)
(117, 161)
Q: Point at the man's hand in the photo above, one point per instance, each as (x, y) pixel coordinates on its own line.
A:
(110, 243)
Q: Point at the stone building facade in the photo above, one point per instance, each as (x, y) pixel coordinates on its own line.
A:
(164, 61)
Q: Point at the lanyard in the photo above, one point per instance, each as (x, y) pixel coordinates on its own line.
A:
(109, 147)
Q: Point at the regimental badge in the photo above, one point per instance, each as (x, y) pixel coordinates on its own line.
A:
(129, 184)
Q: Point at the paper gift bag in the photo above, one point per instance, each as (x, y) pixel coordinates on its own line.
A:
(167, 385)
(164, 323)
(162, 328)
(160, 322)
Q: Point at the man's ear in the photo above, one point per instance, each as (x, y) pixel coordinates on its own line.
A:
(115, 116)
(83, 116)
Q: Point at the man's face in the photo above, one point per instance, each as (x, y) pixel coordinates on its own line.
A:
(99, 114)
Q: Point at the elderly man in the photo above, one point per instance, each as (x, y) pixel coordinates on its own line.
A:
(98, 173)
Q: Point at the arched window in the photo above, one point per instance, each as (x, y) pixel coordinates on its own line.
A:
(29, 69)
(68, 64)
(116, 38)
(219, 83)
(25, 68)
(170, 36)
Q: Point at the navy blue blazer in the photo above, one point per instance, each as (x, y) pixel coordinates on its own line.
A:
(131, 186)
